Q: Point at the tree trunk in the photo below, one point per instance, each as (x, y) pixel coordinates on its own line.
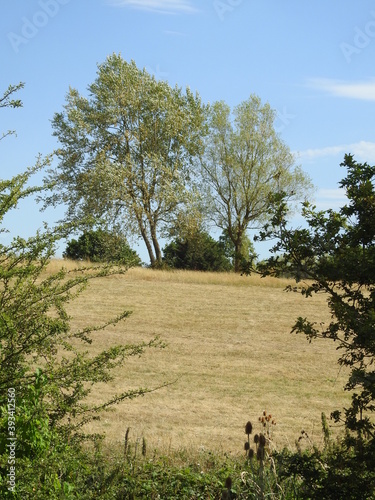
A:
(237, 254)
(237, 261)
(153, 259)
(150, 251)
(155, 242)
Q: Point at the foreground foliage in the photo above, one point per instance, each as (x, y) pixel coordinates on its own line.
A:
(45, 371)
(70, 471)
(336, 252)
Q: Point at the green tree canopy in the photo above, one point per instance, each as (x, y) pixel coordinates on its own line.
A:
(246, 253)
(245, 161)
(127, 150)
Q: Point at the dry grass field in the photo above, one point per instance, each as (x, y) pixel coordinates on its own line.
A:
(229, 352)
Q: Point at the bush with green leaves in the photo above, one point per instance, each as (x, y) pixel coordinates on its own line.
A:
(343, 468)
(335, 251)
(101, 246)
(198, 252)
(39, 354)
(46, 368)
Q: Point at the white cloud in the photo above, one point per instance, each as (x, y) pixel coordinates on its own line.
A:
(365, 151)
(311, 154)
(160, 6)
(332, 194)
(362, 151)
(354, 90)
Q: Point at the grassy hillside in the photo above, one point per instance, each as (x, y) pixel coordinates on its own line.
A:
(229, 351)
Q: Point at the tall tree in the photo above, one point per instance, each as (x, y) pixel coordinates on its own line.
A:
(126, 151)
(244, 162)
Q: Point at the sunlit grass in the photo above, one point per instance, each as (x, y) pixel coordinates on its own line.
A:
(229, 352)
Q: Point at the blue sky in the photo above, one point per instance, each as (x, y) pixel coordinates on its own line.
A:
(312, 61)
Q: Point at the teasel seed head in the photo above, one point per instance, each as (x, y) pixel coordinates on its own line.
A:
(247, 446)
(262, 440)
(251, 453)
(248, 428)
(256, 439)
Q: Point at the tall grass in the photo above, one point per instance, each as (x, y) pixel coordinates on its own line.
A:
(182, 276)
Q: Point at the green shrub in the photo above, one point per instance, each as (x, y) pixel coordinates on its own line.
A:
(344, 468)
(335, 250)
(44, 378)
(46, 368)
(198, 252)
(102, 246)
